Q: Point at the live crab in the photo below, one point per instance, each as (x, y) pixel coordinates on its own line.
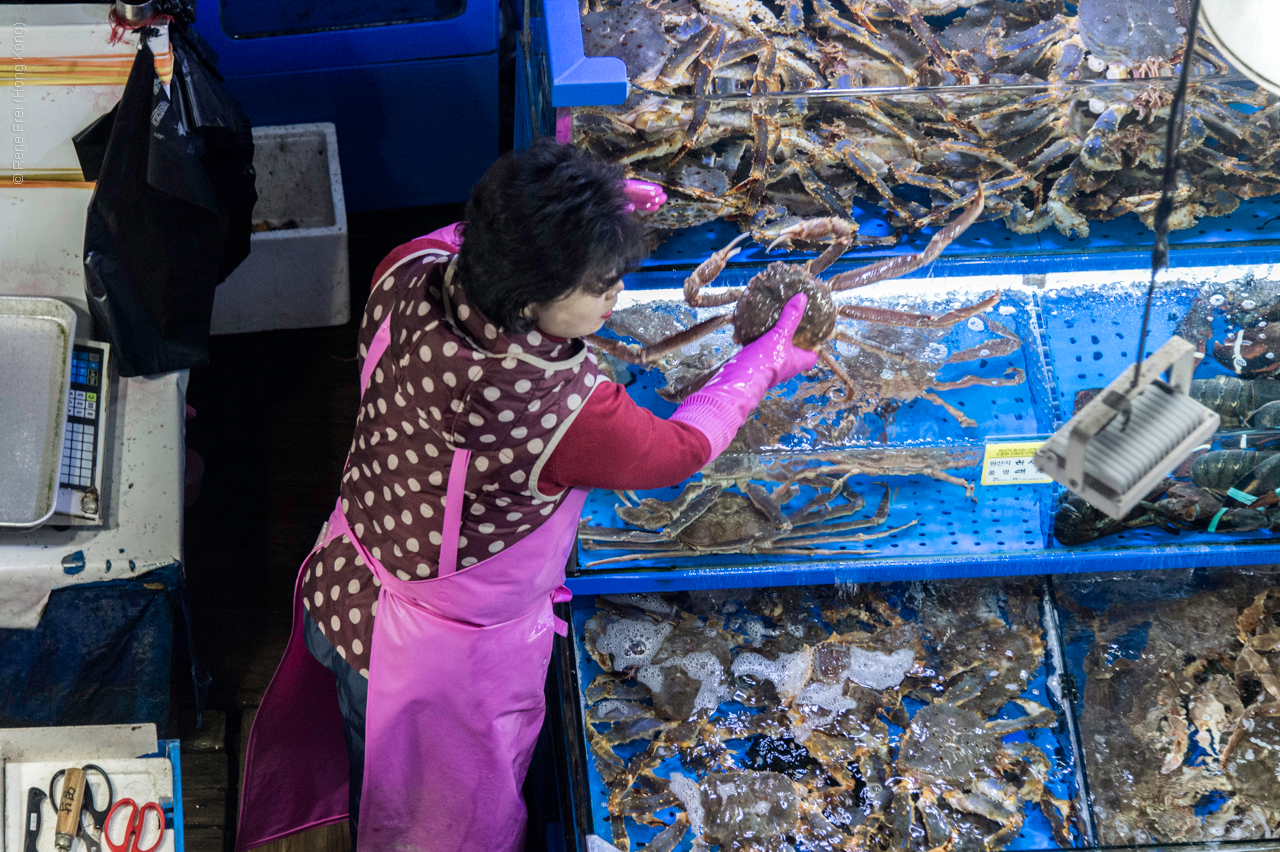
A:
(758, 305)
(823, 672)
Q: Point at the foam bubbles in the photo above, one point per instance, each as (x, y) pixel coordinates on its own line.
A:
(702, 666)
(878, 671)
(690, 795)
(632, 643)
(828, 696)
(787, 673)
(705, 667)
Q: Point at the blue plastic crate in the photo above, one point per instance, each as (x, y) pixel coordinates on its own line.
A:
(414, 99)
(173, 814)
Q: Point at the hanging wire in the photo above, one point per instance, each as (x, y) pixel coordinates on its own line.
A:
(1169, 183)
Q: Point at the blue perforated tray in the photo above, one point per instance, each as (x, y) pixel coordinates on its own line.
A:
(1249, 235)
(1086, 342)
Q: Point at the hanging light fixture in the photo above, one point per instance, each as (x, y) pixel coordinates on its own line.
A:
(1245, 31)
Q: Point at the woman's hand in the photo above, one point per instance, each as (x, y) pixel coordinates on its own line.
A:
(725, 402)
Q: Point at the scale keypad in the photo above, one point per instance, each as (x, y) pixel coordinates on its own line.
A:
(80, 447)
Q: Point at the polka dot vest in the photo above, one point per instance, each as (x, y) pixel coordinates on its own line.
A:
(449, 378)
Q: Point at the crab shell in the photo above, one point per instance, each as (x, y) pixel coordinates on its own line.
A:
(761, 304)
(633, 33)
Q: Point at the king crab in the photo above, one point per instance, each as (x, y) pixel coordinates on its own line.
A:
(758, 305)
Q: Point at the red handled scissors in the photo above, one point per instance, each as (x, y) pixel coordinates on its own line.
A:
(134, 827)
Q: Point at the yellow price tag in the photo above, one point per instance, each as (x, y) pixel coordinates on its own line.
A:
(1010, 464)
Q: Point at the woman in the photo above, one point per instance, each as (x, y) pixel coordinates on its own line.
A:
(483, 421)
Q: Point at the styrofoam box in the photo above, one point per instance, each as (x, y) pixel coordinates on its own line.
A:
(30, 756)
(296, 274)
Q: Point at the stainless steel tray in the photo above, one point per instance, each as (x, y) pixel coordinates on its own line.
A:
(36, 335)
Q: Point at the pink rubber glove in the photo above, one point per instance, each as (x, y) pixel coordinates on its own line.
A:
(642, 195)
(724, 403)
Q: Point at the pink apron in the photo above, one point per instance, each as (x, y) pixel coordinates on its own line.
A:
(455, 697)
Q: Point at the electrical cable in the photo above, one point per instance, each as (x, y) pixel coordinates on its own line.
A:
(1168, 186)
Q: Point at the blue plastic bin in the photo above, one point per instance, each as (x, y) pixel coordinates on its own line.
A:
(415, 101)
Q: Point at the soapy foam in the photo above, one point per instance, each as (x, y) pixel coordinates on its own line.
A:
(632, 643)
(686, 790)
(787, 673)
(702, 666)
(607, 708)
(828, 696)
(878, 671)
(652, 677)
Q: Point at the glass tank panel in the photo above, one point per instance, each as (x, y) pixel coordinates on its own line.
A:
(861, 717)
(1176, 694)
(892, 114)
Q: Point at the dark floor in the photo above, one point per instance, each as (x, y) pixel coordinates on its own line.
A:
(275, 411)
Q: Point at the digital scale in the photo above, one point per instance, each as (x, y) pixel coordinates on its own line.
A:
(79, 499)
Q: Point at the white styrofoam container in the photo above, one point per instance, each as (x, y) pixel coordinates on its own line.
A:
(294, 277)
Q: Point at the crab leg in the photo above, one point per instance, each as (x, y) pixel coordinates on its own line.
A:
(832, 253)
(828, 16)
(854, 340)
(1013, 376)
(636, 354)
(693, 511)
(825, 354)
(924, 33)
(836, 539)
(806, 551)
(675, 70)
(669, 837)
(820, 506)
(762, 500)
(778, 551)
(815, 230)
(991, 187)
(657, 545)
(848, 152)
(597, 538)
(881, 515)
(630, 352)
(928, 182)
(706, 62)
(895, 267)
(995, 349)
(647, 519)
(965, 420)
(905, 319)
(707, 272)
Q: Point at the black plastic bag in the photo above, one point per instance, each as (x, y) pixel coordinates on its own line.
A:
(170, 218)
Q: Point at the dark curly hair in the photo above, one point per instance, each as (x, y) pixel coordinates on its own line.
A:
(539, 224)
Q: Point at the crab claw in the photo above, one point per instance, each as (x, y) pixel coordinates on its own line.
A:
(815, 230)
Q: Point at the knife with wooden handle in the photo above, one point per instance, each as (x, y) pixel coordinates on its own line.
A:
(69, 802)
